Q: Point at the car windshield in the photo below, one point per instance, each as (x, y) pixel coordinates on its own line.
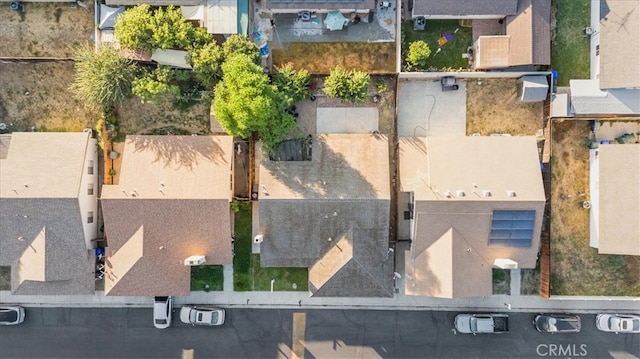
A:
(8, 316)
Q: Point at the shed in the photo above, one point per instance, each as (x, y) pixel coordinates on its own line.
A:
(532, 88)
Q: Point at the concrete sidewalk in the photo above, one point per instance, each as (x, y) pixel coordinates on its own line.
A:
(294, 300)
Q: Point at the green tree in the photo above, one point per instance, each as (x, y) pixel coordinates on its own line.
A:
(165, 28)
(152, 86)
(241, 44)
(102, 78)
(134, 28)
(352, 86)
(245, 102)
(207, 63)
(170, 29)
(418, 54)
(292, 83)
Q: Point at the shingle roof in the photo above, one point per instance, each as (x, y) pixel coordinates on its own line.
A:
(172, 202)
(457, 184)
(355, 263)
(588, 99)
(42, 236)
(620, 44)
(311, 205)
(293, 5)
(464, 7)
(619, 191)
(530, 33)
(35, 158)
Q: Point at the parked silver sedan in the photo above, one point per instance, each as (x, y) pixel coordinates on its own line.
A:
(11, 315)
(190, 314)
(618, 323)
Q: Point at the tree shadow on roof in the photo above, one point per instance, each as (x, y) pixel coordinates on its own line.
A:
(182, 151)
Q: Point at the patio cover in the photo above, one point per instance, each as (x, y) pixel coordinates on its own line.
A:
(174, 58)
(108, 16)
(335, 20)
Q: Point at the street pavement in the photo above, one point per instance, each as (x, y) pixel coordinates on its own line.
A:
(290, 333)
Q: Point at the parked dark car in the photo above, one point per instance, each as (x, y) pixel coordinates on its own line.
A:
(557, 323)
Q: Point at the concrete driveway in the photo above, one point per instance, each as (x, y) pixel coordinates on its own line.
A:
(346, 119)
(425, 110)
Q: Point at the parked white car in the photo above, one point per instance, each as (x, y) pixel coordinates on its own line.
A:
(190, 314)
(618, 323)
(11, 315)
(162, 307)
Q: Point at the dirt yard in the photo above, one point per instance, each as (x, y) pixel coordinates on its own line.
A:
(576, 268)
(492, 108)
(35, 96)
(136, 118)
(44, 29)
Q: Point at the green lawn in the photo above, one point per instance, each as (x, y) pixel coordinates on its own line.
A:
(451, 54)
(569, 50)
(247, 273)
(203, 276)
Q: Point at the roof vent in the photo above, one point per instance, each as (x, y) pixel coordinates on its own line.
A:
(447, 194)
(258, 239)
(460, 193)
(194, 261)
(511, 193)
(486, 193)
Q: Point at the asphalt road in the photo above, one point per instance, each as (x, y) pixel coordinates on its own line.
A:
(247, 333)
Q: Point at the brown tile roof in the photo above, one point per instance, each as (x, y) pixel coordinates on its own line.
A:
(619, 199)
(172, 202)
(530, 33)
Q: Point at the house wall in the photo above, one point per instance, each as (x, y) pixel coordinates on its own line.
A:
(89, 203)
(472, 220)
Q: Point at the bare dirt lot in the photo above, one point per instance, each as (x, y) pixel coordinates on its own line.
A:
(492, 108)
(44, 29)
(136, 118)
(576, 268)
(35, 96)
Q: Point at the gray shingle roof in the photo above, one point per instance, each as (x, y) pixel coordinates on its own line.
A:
(312, 205)
(41, 232)
(587, 99)
(156, 2)
(464, 7)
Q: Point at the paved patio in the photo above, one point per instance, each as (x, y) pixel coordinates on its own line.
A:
(346, 120)
(290, 29)
(425, 110)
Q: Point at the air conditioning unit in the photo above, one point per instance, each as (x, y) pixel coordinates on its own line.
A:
(194, 261)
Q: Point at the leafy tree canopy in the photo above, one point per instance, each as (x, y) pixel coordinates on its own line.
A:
(102, 78)
(207, 63)
(352, 86)
(245, 102)
(164, 28)
(153, 85)
(292, 84)
(241, 44)
(418, 54)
